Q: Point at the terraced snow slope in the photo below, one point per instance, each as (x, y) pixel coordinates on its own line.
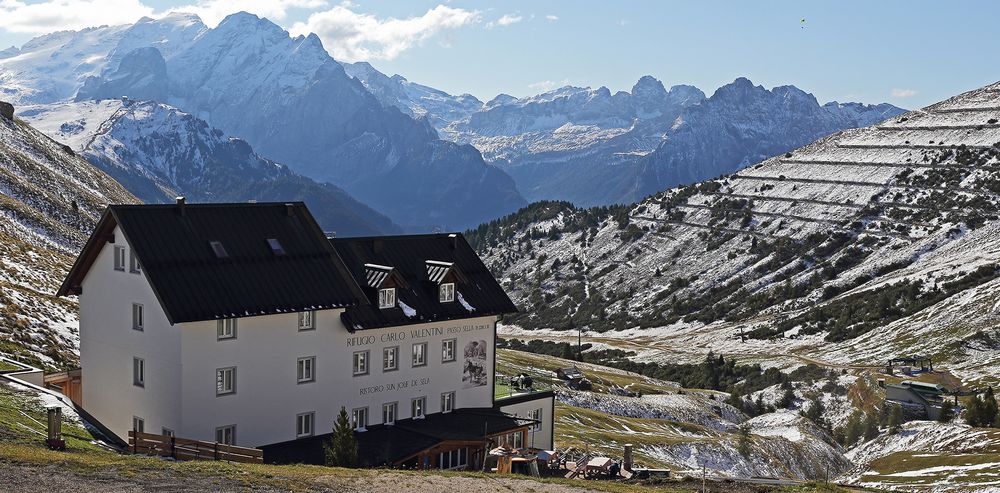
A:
(50, 200)
(864, 245)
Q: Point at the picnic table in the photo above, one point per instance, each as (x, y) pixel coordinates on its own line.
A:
(597, 466)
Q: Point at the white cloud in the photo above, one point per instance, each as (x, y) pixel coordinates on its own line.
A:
(55, 15)
(352, 36)
(547, 85)
(552, 18)
(902, 93)
(213, 11)
(509, 19)
(505, 20)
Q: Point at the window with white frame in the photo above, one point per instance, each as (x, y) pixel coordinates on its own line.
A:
(226, 434)
(133, 263)
(389, 411)
(225, 381)
(418, 407)
(420, 354)
(387, 298)
(167, 432)
(137, 316)
(304, 424)
(390, 358)
(454, 459)
(512, 440)
(447, 350)
(120, 258)
(138, 372)
(138, 424)
(225, 328)
(359, 418)
(536, 415)
(360, 363)
(446, 292)
(307, 320)
(447, 402)
(306, 370)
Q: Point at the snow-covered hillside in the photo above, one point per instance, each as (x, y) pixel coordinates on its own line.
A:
(867, 244)
(160, 152)
(50, 200)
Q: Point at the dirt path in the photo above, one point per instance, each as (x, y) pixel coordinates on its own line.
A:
(21, 478)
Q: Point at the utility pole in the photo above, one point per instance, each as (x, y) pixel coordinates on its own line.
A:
(704, 472)
(579, 343)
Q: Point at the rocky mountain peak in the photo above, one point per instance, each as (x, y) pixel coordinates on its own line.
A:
(648, 87)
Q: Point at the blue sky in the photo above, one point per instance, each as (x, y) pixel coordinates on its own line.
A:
(910, 53)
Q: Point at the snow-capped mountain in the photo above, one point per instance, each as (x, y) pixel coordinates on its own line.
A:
(593, 147)
(53, 67)
(50, 201)
(159, 152)
(416, 100)
(285, 96)
(863, 245)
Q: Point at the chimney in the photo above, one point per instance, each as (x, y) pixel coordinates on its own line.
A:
(181, 201)
(454, 241)
(627, 459)
(290, 209)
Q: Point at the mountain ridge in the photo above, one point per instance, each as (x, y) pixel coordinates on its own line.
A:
(862, 245)
(160, 152)
(594, 147)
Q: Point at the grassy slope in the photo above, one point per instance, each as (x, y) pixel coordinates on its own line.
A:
(20, 413)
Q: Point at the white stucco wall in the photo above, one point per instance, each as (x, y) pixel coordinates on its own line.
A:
(543, 437)
(108, 343)
(268, 398)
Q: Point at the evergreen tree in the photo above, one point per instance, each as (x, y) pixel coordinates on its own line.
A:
(853, 430)
(788, 398)
(342, 451)
(815, 411)
(989, 415)
(895, 419)
(735, 399)
(743, 440)
(567, 352)
(710, 374)
(947, 413)
(870, 426)
(974, 411)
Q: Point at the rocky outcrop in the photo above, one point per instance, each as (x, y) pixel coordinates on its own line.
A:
(6, 110)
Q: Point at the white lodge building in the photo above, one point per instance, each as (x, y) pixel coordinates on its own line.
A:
(244, 324)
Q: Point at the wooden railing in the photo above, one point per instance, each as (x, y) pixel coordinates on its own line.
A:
(187, 449)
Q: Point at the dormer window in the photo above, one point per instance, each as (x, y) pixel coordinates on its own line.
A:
(218, 249)
(387, 298)
(307, 320)
(275, 246)
(446, 292)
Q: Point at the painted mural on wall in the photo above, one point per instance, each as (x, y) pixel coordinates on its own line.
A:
(475, 373)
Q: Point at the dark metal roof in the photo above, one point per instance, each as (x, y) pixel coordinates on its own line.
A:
(192, 283)
(411, 258)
